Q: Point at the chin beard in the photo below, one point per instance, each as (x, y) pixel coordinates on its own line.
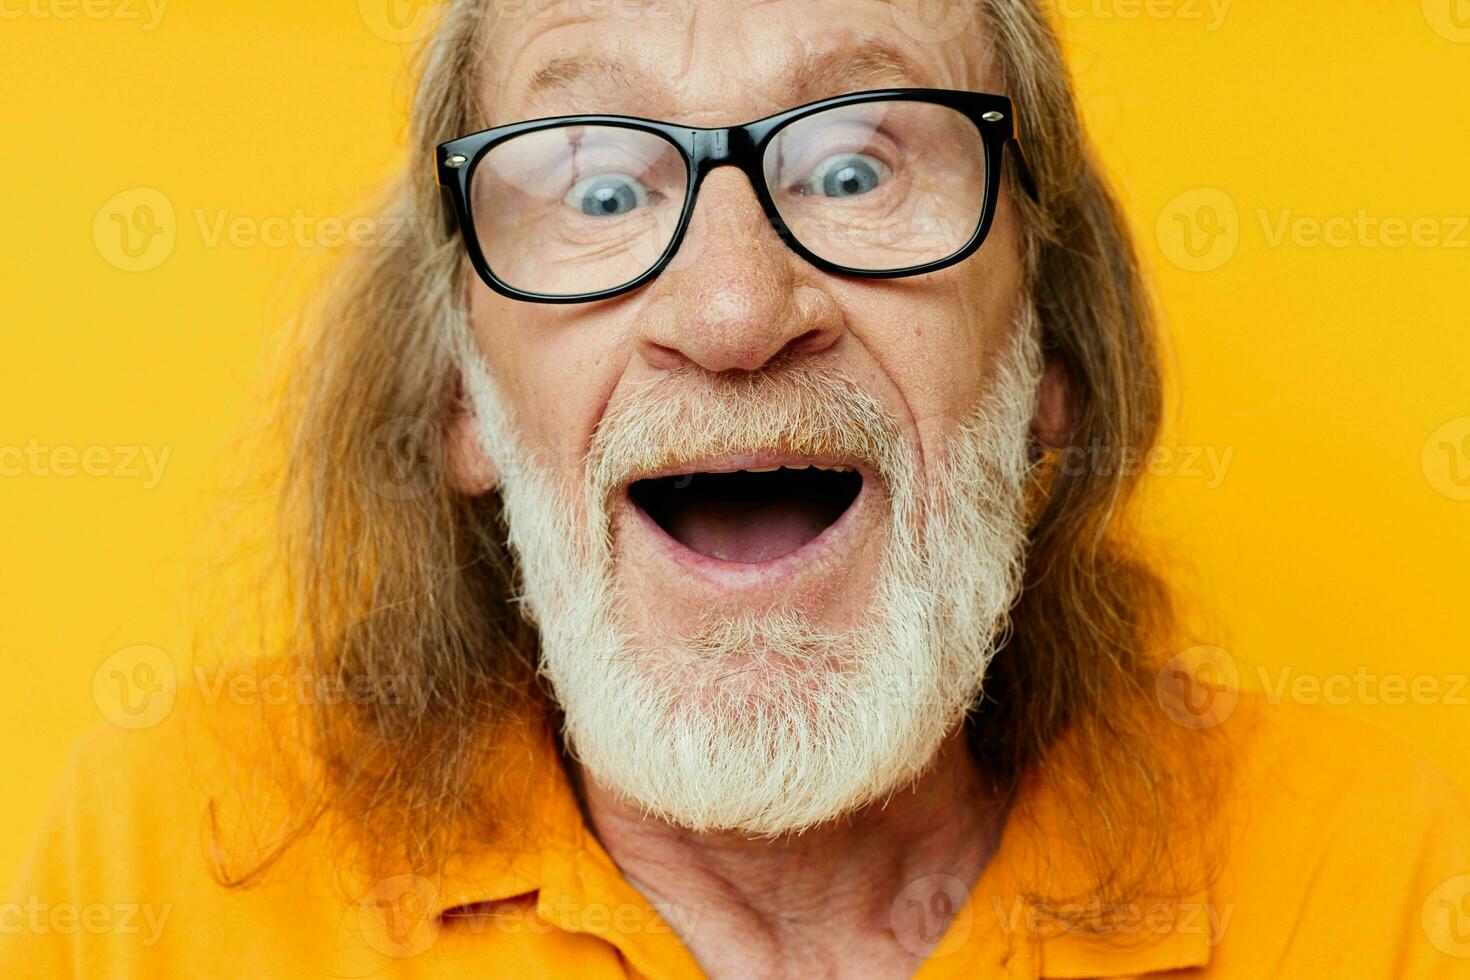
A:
(761, 723)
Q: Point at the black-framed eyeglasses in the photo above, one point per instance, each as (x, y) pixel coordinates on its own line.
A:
(880, 184)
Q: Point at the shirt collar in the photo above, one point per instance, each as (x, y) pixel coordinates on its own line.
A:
(550, 855)
(551, 862)
(1082, 938)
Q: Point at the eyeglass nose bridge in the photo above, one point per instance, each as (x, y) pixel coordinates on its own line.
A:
(739, 147)
(712, 146)
(724, 146)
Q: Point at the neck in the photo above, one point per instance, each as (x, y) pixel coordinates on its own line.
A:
(820, 904)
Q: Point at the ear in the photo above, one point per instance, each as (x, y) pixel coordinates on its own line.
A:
(469, 470)
(1055, 417)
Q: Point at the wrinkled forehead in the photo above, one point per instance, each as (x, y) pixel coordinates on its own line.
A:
(720, 62)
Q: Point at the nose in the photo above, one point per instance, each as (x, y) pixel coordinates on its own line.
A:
(733, 299)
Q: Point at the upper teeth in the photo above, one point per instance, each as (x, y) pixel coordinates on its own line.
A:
(797, 466)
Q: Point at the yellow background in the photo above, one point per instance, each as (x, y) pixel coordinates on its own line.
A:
(1331, 379)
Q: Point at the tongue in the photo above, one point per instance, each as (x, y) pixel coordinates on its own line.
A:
(735, 530)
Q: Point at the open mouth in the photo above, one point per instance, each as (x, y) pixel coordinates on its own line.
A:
(750, 515)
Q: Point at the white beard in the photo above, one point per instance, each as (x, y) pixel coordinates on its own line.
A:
(760, 723)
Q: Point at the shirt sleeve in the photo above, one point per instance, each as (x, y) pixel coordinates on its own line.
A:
(1436, 912)
(83, 905)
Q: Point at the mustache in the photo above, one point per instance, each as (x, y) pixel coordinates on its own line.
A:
(693, 416)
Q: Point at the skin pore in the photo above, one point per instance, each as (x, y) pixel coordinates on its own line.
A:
(736, 299)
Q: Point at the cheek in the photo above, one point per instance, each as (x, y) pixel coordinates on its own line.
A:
(553, 369)
(973, 308)
(935, 337)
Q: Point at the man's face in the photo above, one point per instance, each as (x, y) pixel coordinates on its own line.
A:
(747, 612)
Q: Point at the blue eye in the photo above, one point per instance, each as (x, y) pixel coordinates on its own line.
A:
(845, 175)
(607, 195)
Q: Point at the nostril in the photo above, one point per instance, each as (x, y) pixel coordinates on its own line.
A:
(663, 357)
(738, 320)
(799, 344)
(813, 341)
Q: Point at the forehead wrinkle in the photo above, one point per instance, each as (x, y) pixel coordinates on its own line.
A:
(560, 78)
(811, 75)
(586, 74)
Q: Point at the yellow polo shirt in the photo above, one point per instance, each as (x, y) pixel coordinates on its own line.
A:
(1347, 858)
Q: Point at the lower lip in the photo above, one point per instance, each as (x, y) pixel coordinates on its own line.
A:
(737, 574)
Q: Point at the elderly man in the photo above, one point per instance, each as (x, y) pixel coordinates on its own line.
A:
(682, 578)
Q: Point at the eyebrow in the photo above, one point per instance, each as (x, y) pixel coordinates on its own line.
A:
(568, 72)
(872, 64)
